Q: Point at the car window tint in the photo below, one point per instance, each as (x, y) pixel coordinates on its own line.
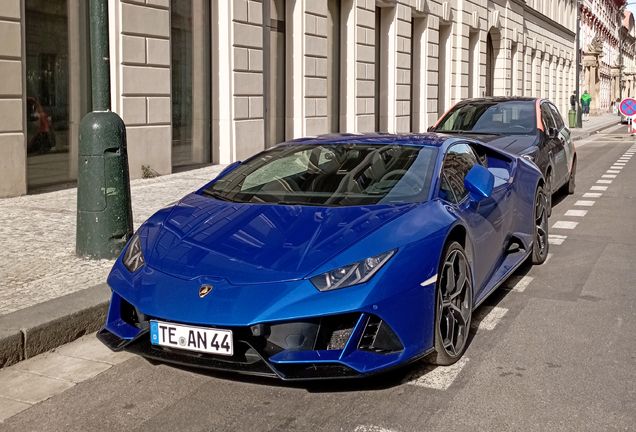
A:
(546, 116)
(557, 117)
(458, 161)
(331, 174)
(445, 191)
(509, 118)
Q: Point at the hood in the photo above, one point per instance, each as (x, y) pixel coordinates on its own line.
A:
(510, 143)
(256, 243)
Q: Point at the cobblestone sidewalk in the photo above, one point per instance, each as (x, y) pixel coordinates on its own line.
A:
(37, 238)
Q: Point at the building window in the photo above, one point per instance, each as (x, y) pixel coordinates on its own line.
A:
(378, 66)
(190, 39)
(274, 64)
(57, 87)
(490, 65)
(444, 69)
(419, 72)
(333, 65)
(473, 64)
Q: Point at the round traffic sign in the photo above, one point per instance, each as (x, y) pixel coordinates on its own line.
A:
(628, 107)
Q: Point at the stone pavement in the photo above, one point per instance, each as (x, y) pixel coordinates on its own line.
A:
(46, 375)
(37, 238)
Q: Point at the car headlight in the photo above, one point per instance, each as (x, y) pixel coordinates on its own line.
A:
(134, 257)
(352, 274)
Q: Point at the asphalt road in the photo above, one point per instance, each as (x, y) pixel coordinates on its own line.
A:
(553, 350)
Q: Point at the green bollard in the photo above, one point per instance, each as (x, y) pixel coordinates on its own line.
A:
(104, 212)
(104, 215)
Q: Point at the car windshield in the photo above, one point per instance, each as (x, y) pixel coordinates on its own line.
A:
(502, 118)
(336, 175)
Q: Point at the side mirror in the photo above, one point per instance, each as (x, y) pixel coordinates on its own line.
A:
(479, 183)
(552, 133)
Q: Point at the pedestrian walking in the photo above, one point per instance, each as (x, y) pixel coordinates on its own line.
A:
(573, 101)
(585, 103)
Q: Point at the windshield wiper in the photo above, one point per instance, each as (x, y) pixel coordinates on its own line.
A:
(215, 195)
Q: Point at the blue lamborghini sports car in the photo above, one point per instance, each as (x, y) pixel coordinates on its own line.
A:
(338, 256)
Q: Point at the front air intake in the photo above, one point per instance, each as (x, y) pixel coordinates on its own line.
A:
(335, 331)
(379, 338)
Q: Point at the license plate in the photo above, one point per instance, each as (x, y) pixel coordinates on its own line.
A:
(189, 338)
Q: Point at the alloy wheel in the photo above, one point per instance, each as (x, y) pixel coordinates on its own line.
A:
(541, 222)
(455, 303)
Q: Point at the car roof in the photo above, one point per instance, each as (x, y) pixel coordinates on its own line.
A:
(422, 139)
(500, 99)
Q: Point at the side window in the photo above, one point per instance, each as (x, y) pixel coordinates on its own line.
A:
(458, 161)
(546, 116)
(557, 117)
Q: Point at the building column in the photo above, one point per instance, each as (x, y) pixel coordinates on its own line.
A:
(141, 81)
(13, 162)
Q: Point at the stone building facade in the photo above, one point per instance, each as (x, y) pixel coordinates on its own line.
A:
(214, 81)
(606, 30)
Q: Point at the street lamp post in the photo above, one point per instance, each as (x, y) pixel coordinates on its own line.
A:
(104, 214)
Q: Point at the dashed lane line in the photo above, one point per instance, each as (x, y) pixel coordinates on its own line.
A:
(366, 428)
(487, 317)
(604, 181)
(577, 213)
(549, 256)
(565, 225)
(609, 176)
(615, 167)
(555, 239)
(520, 283)
(592, 195)
(584, 203)
(609, 171)
(601, 188)
(438, 378)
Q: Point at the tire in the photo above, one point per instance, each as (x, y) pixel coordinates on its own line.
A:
(453, 306)
(540, 244)
(548, 188)
(571, 184)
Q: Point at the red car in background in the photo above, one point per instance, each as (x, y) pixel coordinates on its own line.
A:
(40, 138)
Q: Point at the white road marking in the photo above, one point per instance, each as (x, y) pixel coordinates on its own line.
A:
(584, 203)
(439, 378)
(578, 213)
(556, 239)
(604, 181)
(614, 167)
(592, 195)
(620, 163)
(624, 158)
(603, 188)
(609, 176)
(519, 284)
(429, 281)
(565, 225)
(364, 428)
(547, 258)
(613, 171)
(487, 317)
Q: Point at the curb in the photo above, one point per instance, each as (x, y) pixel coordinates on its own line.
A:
(40, 328)
(596, 130)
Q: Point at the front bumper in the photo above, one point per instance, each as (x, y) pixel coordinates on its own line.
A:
(355, 344)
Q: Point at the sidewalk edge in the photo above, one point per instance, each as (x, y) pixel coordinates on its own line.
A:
(595, 130)
(42, 327)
